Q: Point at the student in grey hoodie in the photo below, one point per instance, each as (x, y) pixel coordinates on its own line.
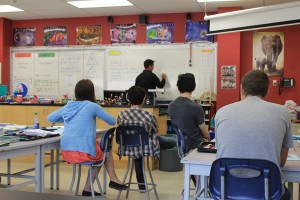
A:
(78, 141)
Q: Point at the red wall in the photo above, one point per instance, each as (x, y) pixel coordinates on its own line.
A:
(5, 44)
(233, 49)
(228, 54)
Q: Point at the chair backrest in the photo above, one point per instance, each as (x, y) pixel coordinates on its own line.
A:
(180, 142)
(107, 140)
(235, 178)
(132, 136)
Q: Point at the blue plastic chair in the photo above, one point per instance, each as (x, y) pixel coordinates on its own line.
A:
(235, 178)
(135, 136)
(180, 142)
(105, 146)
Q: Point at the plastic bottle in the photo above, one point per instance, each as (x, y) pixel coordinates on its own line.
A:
(36, 123)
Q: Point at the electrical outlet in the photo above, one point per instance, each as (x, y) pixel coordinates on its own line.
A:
(274, 83)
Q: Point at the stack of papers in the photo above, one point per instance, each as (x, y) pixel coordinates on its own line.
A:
(296, 137)
(15, 127)
(292, 157)
(38, 132)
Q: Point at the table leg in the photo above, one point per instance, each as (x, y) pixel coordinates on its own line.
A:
(8, 171)
(57, 168)
(186, 191)
(51, 168)
(42, 169)
(38, 170)
(290, 187)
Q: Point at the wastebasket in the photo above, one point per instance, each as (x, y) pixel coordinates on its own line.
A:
(169, 160)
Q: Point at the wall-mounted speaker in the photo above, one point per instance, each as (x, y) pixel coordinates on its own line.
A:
(110, 19)
(143, 19)
(188, 17)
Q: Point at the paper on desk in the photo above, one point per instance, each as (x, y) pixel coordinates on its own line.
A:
(292, 157)
(15, 127)
(296, 137)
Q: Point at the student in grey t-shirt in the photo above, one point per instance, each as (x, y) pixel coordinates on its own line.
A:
(252, 127)
(187, 115)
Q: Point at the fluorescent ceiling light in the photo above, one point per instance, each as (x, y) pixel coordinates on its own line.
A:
(209, 1)
(256, 18)
(99, 3)
(8, 8)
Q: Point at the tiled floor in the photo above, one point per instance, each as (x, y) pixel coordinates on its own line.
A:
(169, 184)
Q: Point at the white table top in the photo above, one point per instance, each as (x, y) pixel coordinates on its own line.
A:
(201, 158)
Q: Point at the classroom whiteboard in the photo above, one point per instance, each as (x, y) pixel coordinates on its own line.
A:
(53, 72)
(124, 64)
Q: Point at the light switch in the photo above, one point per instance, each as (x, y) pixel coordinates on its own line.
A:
(274, 83)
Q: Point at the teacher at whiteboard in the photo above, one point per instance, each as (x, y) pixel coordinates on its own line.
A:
(148, 80)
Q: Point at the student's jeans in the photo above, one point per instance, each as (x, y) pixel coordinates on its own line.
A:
(164, 143)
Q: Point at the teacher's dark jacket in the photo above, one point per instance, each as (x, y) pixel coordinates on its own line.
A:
(148, 80)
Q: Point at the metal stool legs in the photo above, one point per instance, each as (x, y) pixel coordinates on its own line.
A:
(130, 166)
(91, 171)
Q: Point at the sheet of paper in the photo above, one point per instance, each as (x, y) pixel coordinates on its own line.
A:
(292, 157)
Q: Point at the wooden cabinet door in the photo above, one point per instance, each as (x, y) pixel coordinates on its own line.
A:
(14, 114)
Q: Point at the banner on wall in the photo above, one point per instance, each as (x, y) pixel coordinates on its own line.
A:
(196, 31)
(88, 35)
(160, 32)
(24, 37)
(125, 33)
(268, 52)
(55, 36)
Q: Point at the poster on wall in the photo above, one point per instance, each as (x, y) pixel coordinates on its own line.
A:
(88, 35)
(24, 37)
(160, 32)
(123, 33)
(196, 31)
(268, 52)
(55, 36)
(228, 77)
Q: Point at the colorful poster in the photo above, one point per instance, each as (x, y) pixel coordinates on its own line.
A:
(24, 37)
(88, 35)
(228, 77)
(55, 36)
(160, 32)
(125, 33)
(197, 31)
(268, 52)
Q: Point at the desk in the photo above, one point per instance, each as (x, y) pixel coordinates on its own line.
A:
(196, 163)
(37, 147)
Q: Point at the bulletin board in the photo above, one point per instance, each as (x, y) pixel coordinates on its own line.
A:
(53, 72)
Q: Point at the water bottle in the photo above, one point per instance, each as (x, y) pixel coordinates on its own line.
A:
(36, 123)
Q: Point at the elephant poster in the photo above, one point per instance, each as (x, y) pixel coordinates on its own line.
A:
(268, 52)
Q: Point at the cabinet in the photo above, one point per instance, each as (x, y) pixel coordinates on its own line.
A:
(295, 128)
